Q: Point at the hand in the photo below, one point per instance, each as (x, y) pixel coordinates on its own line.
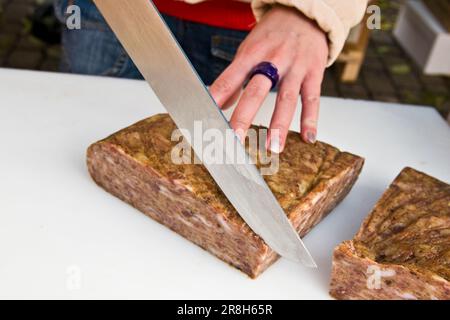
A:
(299, 49)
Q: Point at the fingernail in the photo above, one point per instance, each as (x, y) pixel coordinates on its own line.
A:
(311, 137)
(275, 143)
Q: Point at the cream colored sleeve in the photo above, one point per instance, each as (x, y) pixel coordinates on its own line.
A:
(335, 17)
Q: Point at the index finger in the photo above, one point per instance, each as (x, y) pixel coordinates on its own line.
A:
(229, 82)
(251, 100)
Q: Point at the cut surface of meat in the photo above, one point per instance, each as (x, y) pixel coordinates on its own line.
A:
(402, 250)
(135, 165)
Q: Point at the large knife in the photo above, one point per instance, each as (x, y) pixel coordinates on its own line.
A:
(158, 56)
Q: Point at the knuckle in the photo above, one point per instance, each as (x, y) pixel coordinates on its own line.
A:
(240, 124)
(316, 70)
(317, 74)
(280, 57)
(296, 73)
(312, 99)
(239, 63)
(311, 90)
(309, 123)
(282, 127)
(254, 89)
(288, 96)
(224, 85)
(248, 50)
(321, 59)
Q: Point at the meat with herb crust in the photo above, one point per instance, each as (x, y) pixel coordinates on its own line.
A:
(402, 250)
(135, 165)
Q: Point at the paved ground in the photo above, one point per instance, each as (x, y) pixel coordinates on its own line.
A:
(387, 74)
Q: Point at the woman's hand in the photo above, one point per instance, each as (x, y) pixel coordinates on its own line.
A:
(299, 49)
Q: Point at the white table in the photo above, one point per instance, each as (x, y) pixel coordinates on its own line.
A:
(61, 236)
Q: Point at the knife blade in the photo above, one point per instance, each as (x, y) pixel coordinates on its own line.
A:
(158, 56)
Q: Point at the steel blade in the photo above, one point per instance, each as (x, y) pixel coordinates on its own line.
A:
(158, 56)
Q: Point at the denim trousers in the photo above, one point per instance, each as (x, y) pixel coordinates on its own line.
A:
(94, 50)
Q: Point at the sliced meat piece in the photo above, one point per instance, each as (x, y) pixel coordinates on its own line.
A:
(135, 165)
(402, 250)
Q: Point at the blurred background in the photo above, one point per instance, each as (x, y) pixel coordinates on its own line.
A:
(396, 63)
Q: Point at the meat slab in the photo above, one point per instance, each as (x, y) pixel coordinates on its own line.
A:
(135, 165)
(402, 250)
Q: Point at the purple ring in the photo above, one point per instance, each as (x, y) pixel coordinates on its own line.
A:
(267, 69)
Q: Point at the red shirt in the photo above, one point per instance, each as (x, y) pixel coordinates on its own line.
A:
(227, 14)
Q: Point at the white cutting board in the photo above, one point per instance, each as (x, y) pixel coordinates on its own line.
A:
(61, 236)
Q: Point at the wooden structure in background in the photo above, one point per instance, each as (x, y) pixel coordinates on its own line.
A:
(354, 52)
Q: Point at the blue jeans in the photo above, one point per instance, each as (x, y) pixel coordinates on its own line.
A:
(94, 49)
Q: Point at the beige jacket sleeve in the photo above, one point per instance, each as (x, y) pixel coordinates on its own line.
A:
(335, 17)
